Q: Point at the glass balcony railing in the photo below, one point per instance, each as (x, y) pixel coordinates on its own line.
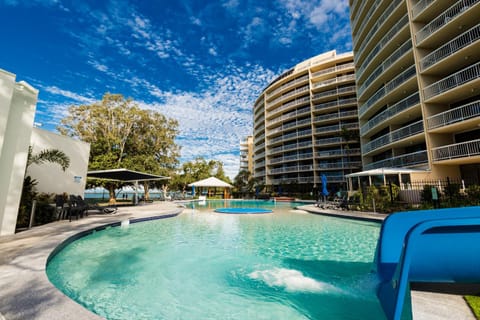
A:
(394, 136)
(397, 54)
(405, 160)
(457, 150)
(455, 10)
(464, 40)
(390, 86)
(465, 112)
(455, 80)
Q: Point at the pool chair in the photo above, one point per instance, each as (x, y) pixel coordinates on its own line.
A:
(83, 205)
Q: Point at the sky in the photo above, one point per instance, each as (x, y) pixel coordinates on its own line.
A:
(203, 63)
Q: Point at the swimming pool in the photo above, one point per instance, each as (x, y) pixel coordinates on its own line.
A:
(207, 265)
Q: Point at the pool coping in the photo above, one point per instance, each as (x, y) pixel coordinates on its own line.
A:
(26, 292)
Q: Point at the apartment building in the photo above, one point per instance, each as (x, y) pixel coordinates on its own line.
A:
(246, 154)
(306, 125)
(417, 65)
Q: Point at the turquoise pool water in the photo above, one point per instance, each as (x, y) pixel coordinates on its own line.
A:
(207, 265)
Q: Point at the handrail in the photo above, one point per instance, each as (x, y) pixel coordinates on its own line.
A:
(396, 135)
(457, 150)
(420, 6)
(467, 111)
(404, 160)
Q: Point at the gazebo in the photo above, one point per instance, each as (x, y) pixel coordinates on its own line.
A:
(214, 183)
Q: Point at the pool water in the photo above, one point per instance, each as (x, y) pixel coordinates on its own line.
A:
(207, 265)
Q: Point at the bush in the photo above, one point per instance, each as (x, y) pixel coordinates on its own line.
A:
(473, 194)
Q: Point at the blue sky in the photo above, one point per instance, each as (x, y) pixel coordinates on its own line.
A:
(201, 62)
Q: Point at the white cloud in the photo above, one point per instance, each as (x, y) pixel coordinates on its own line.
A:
(68, 94)
(213, 52)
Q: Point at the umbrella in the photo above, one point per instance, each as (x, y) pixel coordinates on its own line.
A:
(324, 185)
(193, 191)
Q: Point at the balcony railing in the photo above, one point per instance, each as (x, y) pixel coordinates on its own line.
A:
(420, 6)
(334, 80)
(337, 115)
(333, 69)
(287, 85)
(398, 107)
(465, 39)
(291, 103)
(373, 6)
(387, 39)
(334, 92)
(321, 142)
(457, 150)
(397, 54)
(455, 80)
(291, 136)
(396, 135)
(336, 128)
(390, 86)
(338, 153)
(289, 94)
(455, 10)
(378, 22)
(404, 160)
(458, 114)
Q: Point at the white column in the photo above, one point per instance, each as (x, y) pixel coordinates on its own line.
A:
(15, 138)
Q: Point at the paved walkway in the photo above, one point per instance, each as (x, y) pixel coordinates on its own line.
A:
(26, 293)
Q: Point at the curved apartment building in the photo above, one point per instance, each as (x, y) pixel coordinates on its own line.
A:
(306, 125)
(418, 79)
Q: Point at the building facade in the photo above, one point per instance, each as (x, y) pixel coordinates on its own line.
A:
(246, 154)
(306, 126)
(418, 84)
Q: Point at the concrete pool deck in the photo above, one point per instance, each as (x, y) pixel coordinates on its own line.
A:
(26, 292)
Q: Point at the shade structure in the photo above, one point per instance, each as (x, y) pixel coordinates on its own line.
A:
(124, 175)
(383, 171)
(211, 182)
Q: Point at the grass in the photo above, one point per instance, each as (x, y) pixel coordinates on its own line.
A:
(474, 303)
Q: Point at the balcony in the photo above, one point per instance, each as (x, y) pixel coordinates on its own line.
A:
(391, 112)
(394, 136)
(289, 105)
(289, 94)
(348, 77)
(455, 80)
(291, 169)
(387, 63)
(465, 112)
(362, 6)
(387, 39)
(378, 22)
(393, 84)
(290, 136)
(334, 92)
(457, 150)
(333, 69)
(338, 153)
(327, 141)
(451, 13)
(464, 40)
(420, 6)
(287, 85)
(337, 115)
(405, 160)
(337, 128)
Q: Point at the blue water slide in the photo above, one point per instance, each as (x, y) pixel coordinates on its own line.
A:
(439, 246)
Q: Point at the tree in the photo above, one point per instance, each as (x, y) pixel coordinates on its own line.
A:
(198, 169)
(121, 135)
(48, 155)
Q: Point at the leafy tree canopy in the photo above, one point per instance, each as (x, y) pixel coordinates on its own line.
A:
(122, 135)
(198, 169)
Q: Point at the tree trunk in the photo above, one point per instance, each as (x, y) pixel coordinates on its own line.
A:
(146, 190)
(111, 192)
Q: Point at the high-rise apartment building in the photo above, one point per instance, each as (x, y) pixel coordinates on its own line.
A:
(418, 84)
(306, 125)
(246, 154)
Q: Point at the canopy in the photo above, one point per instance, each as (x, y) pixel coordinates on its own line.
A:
(211, 182)
(124, 175)
(382, 171)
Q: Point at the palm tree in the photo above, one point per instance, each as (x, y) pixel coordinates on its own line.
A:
(48, 155)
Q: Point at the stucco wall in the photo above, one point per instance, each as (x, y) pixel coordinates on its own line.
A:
(50, 177)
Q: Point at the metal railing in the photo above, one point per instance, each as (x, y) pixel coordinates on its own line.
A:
(291, 136)
(455, 80)
(457, 150)
(465, 39)
(337, 115)
(401, 105)
(405, 160)
(372, 8)
(336, 128)
(387, 39)
(379, 21)
(334, 80)
(455, 115)
(289, 94)
(289, 104)
(287, 85)
(320, 142)
(396, 135)
(390, 86)
(336, 103)
(420, 6)
(334, 92)
(397, 54)
(338, 153)
(455, 10)
(333, 69)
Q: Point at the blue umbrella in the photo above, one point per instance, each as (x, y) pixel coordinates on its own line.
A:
(324, 185)
(193, 191)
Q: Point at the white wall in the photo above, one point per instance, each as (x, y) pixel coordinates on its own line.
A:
(17, 109)
(50, 177)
